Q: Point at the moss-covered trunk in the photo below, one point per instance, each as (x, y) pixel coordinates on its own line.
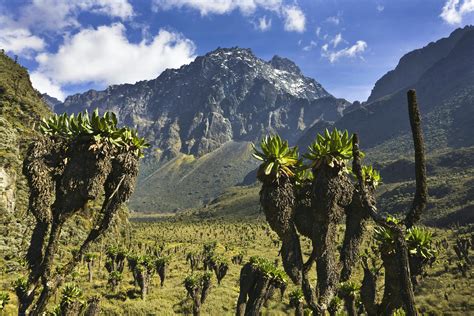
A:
(332, 192)
(278, 202)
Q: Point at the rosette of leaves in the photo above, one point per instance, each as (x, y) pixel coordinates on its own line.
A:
(161, 265)
(115, 277)
(71, 301)
(419, 242)
(4, 299)
(115, 259)
(297, 300)
(371, 176)
(334, 305)
(332, 149)
(386, 237)
(269, 270)
(348, 291)
(198, 286)
(71, 293)
(102, 129)
(142, 267)
(303, 176)
(278, 158)
(20, 286)
(349, 288)
(220, 266)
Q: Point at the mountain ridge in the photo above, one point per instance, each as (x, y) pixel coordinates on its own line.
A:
(227, 94)
(415, 63)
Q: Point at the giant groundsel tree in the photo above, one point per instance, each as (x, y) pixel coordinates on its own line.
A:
(313, 203)
(78, 159)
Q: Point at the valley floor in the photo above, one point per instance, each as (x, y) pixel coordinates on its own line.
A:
(444, 291)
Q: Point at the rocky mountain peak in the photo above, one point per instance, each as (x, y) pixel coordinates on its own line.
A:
(228, 94)
(414, 64)
(284, 64)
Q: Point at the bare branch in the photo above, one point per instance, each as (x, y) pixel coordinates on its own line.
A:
(421, 193)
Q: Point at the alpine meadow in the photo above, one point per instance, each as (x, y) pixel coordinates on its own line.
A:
(150, 165)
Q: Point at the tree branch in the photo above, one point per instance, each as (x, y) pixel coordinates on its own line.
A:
(421, 193)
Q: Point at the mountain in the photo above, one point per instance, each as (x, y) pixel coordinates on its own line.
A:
(227, 95)
(189, 182)
(21, 109)
(201, 118)
(445, 90)
(50, 101)
(414, 64)
(443, 75)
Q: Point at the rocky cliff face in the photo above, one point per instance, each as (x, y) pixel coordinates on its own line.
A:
(414, 64)
(228, 94)
(50, 101)
(445, 90)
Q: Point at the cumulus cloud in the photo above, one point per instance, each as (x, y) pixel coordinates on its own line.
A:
(18, 40)
(105, 56)
(56, 15)
(20, 34)
(293, 16)
(264, 24)
(349, 52)
(217, 6)
(294, 19)
(454, 10)
(46, 85)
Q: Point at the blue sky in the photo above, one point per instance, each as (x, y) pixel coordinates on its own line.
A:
(72, 46)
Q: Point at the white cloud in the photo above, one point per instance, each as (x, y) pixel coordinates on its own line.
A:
(56, 15)
(454, 10)
(294, 19)
(334, 20)
(293, 16)
(105, 56)
(46, 85)
(18, 40)
(206, 7)
(264, 24)
(309, 47)
(337, 40)
(318, 31)
(350, 52)
(380, 7)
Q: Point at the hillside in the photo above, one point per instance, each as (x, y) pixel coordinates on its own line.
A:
(20, 111)
(445, 93)
(186, 181)
(445, 89)
(450, 182)
(412, 65)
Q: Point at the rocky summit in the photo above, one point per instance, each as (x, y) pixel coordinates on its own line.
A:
(226, 95)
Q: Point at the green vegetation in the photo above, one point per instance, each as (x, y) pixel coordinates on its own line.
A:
(100, 128)
(251, 237)
(4, 299)
(83, 262)
(278, 158)
(76, 161)
(332, 149)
